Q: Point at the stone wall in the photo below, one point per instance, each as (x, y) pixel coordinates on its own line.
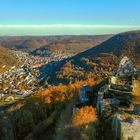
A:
(126, 126)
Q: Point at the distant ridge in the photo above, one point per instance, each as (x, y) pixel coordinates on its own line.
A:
(45, 45)
(126, 43)
(71, 44)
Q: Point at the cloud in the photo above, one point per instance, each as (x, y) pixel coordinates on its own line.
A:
(64, 29)
(69, 26)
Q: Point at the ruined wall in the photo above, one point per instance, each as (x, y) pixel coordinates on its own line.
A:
(116, 126)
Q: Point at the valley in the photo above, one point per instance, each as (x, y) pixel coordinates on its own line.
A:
(70, 92)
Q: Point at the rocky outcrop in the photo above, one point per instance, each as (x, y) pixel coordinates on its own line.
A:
(126, 126)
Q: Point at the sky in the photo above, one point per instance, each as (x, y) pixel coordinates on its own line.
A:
(68, 17)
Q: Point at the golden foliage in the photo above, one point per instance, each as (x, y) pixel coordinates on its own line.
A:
(67, 69)
(15, 107)
(136, 92)
(84, 115)
(60, 93)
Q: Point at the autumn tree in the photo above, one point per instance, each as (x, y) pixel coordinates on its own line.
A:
(84, 115)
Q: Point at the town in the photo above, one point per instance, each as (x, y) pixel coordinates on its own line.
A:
(17, 83)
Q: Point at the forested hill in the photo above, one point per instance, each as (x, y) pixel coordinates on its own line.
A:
(127, 43)
(100, 59)
(44, 45)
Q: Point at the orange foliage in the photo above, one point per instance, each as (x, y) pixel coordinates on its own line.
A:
(66, 69)
(136, 92)
(55, 94)
(84, 115)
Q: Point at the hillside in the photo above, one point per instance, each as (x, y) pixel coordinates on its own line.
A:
(7, 59)
(45, 45)
(24, 43)
(127, 43)
(31, 44)
(71, 44)
(100, 60)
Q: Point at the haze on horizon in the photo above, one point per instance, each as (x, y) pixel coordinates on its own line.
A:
(74, 17)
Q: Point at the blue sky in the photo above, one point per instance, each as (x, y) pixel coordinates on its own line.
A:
(58, 17)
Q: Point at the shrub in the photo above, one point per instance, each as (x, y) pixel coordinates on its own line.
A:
(84, 115)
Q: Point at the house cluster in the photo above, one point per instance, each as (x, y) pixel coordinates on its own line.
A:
(58, 56)
(23, 57)
(20, 82)
(17, 83)
(38, 61)
(30, 61)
